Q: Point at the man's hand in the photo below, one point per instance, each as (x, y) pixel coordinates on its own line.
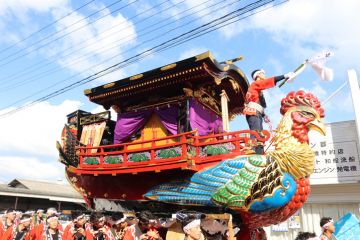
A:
(266, 118)
(289, 75)
(153, 233)
(143, 237)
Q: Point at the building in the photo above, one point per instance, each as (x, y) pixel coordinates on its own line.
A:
(31, 195)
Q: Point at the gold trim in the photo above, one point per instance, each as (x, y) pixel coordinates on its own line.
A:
(109, 85)
(204, 55)
(136, 77)
(167, 67)
(87, 91)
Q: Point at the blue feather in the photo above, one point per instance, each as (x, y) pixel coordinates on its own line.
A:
(199, 188)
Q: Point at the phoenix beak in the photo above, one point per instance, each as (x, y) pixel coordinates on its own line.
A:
(317, 125)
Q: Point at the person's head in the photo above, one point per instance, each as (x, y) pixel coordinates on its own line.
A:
(327, 225)
(78, 218)
(192, 229)
(144, 219)
(25, 220)
(52, 221)
(305, 235)
(258, 74)
(10, 214)
(40, 212)
(120, 222)
(51, 211)
(97, 219)
(131, 219)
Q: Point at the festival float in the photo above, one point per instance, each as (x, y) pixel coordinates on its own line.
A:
(171, 149)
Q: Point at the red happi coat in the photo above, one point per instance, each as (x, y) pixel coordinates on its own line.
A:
(90, 233)
(11, 231)
(254, 92)
(70, 230)
(3, 228)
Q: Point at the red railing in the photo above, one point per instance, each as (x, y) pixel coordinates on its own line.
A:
(187, 151)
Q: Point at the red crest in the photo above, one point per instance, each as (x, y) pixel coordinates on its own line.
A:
(301, 98)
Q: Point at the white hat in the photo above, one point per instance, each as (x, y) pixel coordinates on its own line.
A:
(192, 224)
(256, 73)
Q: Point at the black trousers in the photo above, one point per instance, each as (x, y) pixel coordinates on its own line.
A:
(255, 122)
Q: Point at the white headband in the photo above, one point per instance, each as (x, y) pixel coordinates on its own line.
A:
(25, 220)
(12, 211)
(52, 218)
(79, 217)
(326, 225)
(120, 220)
(191, 225)
(257, 73)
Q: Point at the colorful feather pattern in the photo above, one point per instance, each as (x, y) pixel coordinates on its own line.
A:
(235, 183)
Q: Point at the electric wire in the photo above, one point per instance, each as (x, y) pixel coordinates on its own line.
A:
(149, 30)
(70, 50)
(45, 27)
(62, 36)
(136, 57)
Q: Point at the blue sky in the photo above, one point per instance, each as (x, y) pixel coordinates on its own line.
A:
(76, 46)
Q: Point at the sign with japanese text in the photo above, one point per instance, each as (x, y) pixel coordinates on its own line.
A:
(336, 155)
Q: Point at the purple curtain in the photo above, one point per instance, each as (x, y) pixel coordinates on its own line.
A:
(203, 119)
(129, 123)
(168, 117)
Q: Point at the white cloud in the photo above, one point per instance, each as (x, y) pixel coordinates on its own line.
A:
(307, 26)
(30, 168)
(89, 45)
(98, 44)
(35, 130)
(20, 8)
(192, 52)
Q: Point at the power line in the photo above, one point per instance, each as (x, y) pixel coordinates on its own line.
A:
(142, 43)
(62, 36)
(117, 66)
(45, 27)
(11, 77)
(137, 57)
(149, 30)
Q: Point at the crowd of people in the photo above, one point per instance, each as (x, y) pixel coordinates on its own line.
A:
(46, 225)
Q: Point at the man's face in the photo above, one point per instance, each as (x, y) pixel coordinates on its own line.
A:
(53, 223)
(331, 228)
(80, 221)
(11, 216)
(194, 233)
(260, 76)
(27, 223)
(100, 223)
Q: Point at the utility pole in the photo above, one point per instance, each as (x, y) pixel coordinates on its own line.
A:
(355, 95)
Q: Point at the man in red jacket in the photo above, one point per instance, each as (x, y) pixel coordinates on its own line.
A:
(255, 101)
(21, 231)
(7, 221)
(76, 229)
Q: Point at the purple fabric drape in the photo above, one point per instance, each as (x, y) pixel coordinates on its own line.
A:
(168, 117)
(203, 119)
(129, 123)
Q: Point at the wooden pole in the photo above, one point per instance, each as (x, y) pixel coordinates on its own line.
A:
(224, 110)
(16, 202)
